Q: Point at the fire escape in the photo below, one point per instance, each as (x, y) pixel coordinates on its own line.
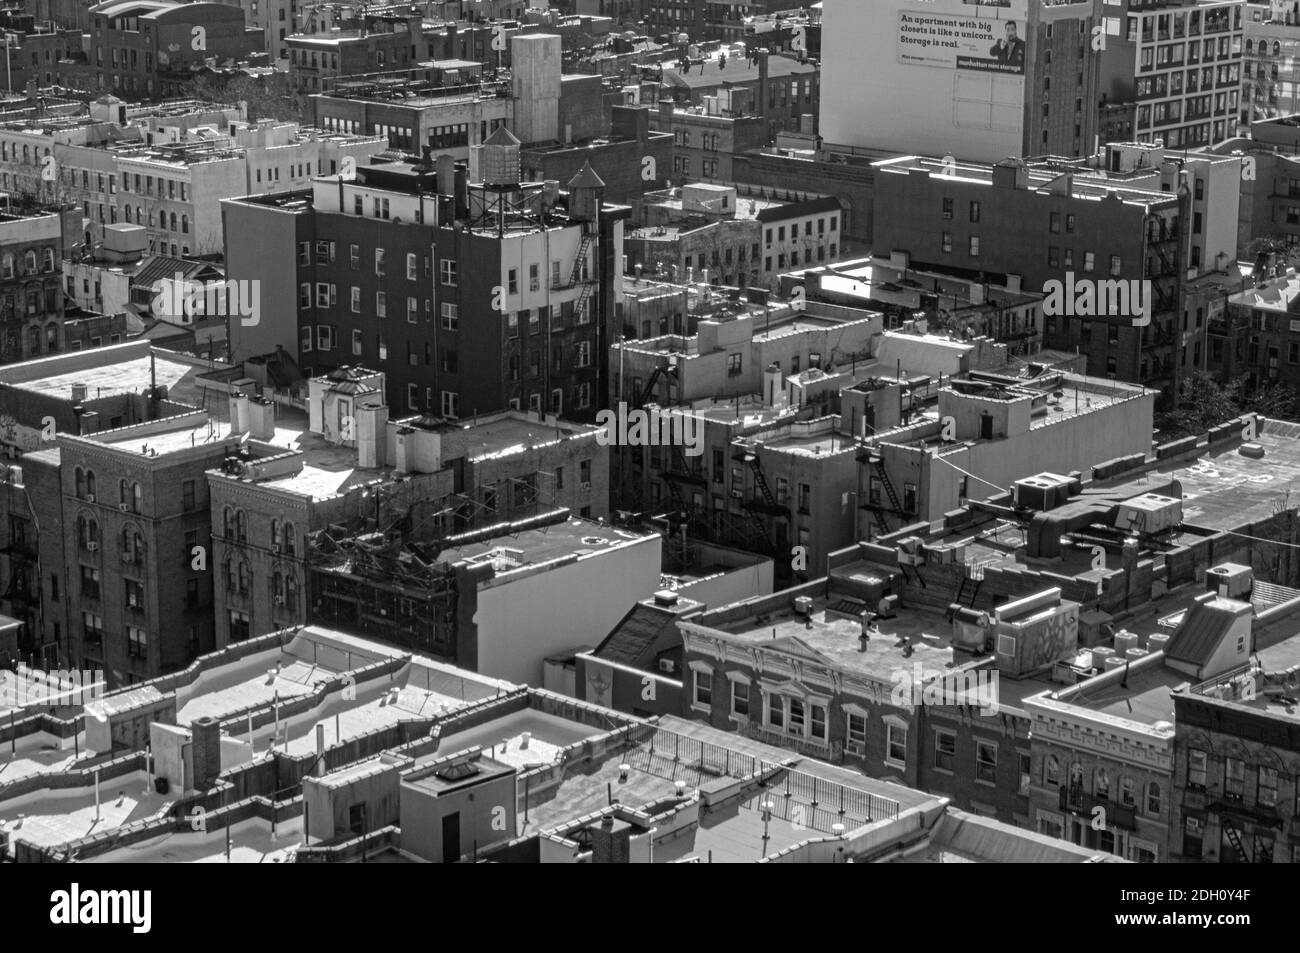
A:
(1159, 340)
(874, 459)
(751, 530)
(576, 276)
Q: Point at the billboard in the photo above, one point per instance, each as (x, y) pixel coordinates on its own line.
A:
(948, 41)
(948, 77)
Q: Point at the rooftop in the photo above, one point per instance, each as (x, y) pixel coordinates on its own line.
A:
(709, 73)
(535, 547)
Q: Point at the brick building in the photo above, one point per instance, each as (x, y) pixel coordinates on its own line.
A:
(146, 48)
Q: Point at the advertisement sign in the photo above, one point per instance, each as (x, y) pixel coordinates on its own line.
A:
(947, 41)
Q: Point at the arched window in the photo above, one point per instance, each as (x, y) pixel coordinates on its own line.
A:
(139, 215)
(1052, 770)
(1277, 48)
(1076, 775)
(241, 526)
(1153, 798)
(185, 224)
(227, 522)
(87, 531)
(123, 491)
(173, 222)
(49, 260)
(277, 587)
(275, 535)
(288, 539)
(1250, 45)
(1127, 792)
(230, 574)
(1101, 784)
(51, 337)
(126, 214)
(34, 339)
(132, 545)
(8, 266)
(245, 577)
(90, 484)
(290, 592)
(29, 263)
(137, 498)
(81, 483)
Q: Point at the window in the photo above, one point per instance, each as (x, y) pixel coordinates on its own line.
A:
(380, 268)
(817, 723)
(796, 722)
(896, 743)
(733, 365)
(534, 278)
(945, 750)
(775, 711)
(1197, 763)
(356, 343)
(354, 257)
(1116, 266)
(1052, 770)
(1153, 798)
(1101, 784)
(1234, 778)
(450, 316)
(134, 593)
(704, 688)
(986, 762)
(739, 698)
(805, 497)
(381, 304)
(857, 732)
(187, 495)
(947, 209)
(412, 267)
(974, 211)
(1266, 794)
(450, 404)
(974, 248)
(89, 582)
(1127, 792)
(447, 271)
(412, 310)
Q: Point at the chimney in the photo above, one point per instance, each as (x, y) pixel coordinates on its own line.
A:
(611, 842)
(238, 413)
(762, 83)
(773, 394)
(205, 734)
(259, 416)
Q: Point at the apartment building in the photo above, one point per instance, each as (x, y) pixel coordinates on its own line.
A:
(41, 51)
(707, 138)
(148, 48)
(1234, 795)
(127, 585)
(32, 246)
(1043, 224)
(416, 272)
(1270, 87)
(1257, 335)
(732, 236)
(418, 475)
(785, 91)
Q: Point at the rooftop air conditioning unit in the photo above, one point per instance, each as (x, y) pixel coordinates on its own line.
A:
(803, 605)
(92, 547)
(124, 507)
(667, 665)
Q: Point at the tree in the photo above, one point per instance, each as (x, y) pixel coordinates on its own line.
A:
(1203, 403)
(267, 98)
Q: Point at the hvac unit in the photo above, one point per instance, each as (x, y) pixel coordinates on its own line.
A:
(92, 547)
(667, 665)
(124, 507)
(803, 606)
(1235, 579)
